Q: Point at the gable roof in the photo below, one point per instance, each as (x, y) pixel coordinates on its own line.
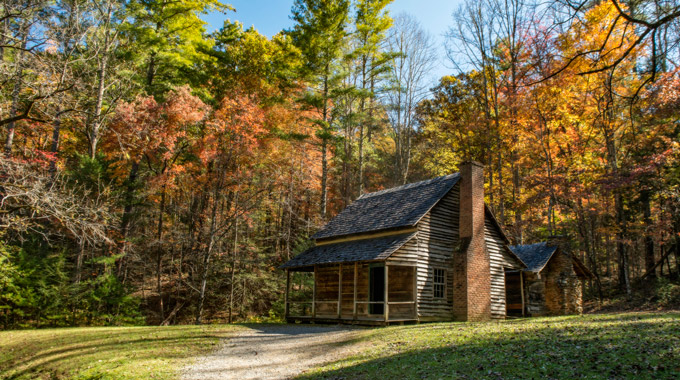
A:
(398, 207)
(379, 248)
(535, 256)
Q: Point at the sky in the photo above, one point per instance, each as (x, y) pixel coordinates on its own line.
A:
(271, 16)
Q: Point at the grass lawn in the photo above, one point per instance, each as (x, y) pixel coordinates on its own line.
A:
(105, 352)
(610, 346)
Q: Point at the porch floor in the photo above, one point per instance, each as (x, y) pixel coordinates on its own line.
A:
(376, 321)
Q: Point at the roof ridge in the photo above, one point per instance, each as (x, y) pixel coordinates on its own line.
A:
(529, 245)
(408, 186)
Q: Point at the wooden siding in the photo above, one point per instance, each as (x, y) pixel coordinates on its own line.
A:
(499, 259)
(433, 248)
(328, 290)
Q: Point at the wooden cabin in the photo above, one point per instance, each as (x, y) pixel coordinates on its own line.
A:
(426, 251)
(553, 279)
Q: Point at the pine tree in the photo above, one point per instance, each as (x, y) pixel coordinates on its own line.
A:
(320, 34)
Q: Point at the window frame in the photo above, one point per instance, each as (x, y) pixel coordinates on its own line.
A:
(439, 285)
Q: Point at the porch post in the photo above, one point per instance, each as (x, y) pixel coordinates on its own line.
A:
(340, 291)
(415, 292)
(521, 288)
(314, 295)
(387, 302)
(356, 272)
(287, 307)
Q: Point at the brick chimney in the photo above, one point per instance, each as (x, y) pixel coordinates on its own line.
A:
(471, 268)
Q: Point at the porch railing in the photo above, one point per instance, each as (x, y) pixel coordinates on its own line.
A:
(316, 309)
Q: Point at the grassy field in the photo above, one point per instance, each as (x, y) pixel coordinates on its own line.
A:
(614, 346)
(607, 346)
(104, 352)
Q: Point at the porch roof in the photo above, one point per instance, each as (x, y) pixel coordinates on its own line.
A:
(372, 249)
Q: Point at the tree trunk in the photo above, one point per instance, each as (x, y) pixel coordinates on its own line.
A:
(586, 234)
(324, 146)
(233, 271)
(56, 131)
(159, 255)
(97, 115)
(211, 244)
(16, 91)
(151, 72)
(128, 198)
(362, 109)
(624, 274)
(79, 263)
(649, 241)
(677, 255)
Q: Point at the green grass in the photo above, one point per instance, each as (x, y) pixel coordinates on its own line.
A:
(105, 352)
(607, 346)
(614, 346)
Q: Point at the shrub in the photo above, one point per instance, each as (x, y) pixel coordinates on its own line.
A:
(668, 293)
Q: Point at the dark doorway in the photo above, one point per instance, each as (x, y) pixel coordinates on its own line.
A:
(376, 289)
(513, 293)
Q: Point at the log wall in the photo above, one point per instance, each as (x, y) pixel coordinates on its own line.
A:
(432, 248)
(328, 290)
(499, 259)
(436, 240)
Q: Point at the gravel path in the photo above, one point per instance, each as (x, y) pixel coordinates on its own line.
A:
(273, 352)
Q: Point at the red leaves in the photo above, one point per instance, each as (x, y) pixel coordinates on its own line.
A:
(145, 127)
(235, 129)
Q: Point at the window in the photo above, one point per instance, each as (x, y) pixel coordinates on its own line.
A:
(439, 283)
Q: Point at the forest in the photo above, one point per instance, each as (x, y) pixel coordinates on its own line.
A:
(153, 172)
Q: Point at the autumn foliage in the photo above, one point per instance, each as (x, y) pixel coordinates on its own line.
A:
(154, 172)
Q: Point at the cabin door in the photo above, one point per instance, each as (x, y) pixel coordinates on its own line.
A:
(513, 293)
(376, 289)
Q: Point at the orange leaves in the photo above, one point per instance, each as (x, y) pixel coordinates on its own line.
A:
(146, 127)
(235, 129)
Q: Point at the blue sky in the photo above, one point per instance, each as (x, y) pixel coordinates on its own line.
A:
(271, 16)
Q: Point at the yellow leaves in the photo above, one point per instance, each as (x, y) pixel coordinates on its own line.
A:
(602, 38)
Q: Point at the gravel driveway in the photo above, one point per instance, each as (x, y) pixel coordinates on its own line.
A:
(274, 352)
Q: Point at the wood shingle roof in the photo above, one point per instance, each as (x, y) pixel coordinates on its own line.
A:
(535, 256)
(394, 208)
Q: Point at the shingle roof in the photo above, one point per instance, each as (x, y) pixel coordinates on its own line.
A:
(358, 250)
(397, 207)
(535, 256)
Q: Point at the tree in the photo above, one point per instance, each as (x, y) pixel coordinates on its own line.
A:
(654, 23)
(320, 33)
(372, 22)
(407, 86)
(155, 134)
(169, 35)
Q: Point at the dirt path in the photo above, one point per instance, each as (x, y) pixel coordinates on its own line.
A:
(273, 352)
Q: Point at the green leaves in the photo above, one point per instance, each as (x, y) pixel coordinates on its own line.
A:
(169, 37)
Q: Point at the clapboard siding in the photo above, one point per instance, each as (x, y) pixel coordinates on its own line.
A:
(434, 244)
(433, 247)
(499, 259)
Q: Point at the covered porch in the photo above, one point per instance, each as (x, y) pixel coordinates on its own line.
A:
(354, 292)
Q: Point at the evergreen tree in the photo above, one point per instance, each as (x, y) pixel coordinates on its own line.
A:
(320, 34)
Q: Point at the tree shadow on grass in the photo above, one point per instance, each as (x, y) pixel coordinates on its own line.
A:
(629, 347)
(55, 360)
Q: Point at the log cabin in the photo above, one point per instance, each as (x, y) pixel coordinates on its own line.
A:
(553, 280)
(425, 251)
